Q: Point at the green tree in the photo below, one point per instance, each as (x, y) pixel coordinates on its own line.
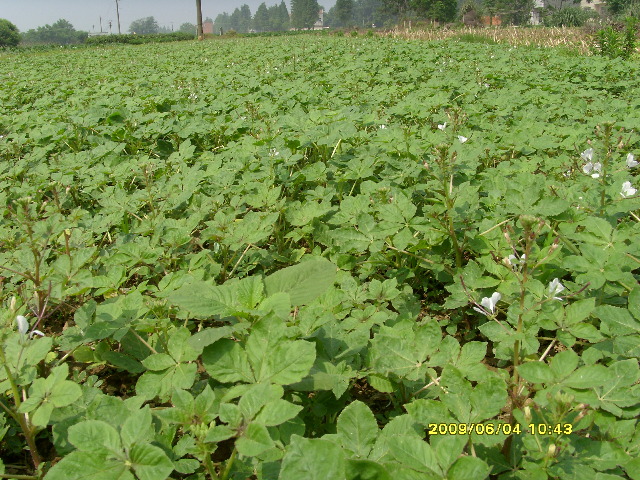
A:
(261, 19)
(60, 33)
(285, 18)
(9, 34)
(515, 12)
(398, 7)
(245, 18)
(344, 12)
(223, 20)
(144, 26)
(304, 13)
(440, 10)
(187, 28)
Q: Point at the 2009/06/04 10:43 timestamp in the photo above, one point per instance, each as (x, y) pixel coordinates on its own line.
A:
(497, 428)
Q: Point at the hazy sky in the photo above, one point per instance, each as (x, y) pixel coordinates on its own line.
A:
(84, 14)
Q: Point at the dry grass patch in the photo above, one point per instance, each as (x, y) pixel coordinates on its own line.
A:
(572, 38)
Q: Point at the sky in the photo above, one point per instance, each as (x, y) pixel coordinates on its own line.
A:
(85, 14)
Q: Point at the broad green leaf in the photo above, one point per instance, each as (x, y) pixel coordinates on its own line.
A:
(536, 372)
(254, 399)
(563, 363)
(634, 302)
(275, 359)
(79, 465)
(150, 462)
(137, 428)
(95, 436)
(414, 453)
(277, 412)
(487, 399)
(448, 448)
(468, 467)
(208, 336)
(65, 393)
(303, 282)
(42, 415)
(618, 319)
(588, 376)
(366, 470)
(254, 440)
(308, 459)
(358, 428)
(227, 362)
(158, 362)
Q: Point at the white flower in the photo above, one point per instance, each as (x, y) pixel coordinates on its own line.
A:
(442, 127)
(631, 160)
(595, 167)
(383, 127)
(627, 190)
(273, 152)
(462, 139)
(23, 324)
(555, 287)
(489, 303)
(587, 155)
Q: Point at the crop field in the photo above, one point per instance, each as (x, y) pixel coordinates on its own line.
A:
(319, 257)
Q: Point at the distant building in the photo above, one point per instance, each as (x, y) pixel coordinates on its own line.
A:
(320, 22)
(536, 13)
(207, 27)
(319, 25)
(597, 5)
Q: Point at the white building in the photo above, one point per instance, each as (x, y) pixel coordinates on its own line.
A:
(536, 13)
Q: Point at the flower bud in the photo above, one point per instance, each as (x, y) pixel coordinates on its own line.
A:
(552, 450)
(527, 414)
(13, 303)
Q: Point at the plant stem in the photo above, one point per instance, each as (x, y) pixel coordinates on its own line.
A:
(18, 477)
(20, 418)
(225, 475)
(208, 465)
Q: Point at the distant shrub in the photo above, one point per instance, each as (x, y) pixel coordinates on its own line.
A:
(475, 38)
(231, 33)
(570, 17)
(610, 43)
(339, 33)
(354, 33)
(134, 39)
(9, 35)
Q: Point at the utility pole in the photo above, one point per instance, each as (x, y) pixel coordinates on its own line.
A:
(199, 18)
(172, 26)
(110, 32)
(100, 24)
(118, 12)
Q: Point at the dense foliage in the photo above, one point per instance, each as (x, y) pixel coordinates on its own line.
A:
(135, 39)
(570, 17)
(60, 33)
(320, 257)
(9, 35)
(144, 26)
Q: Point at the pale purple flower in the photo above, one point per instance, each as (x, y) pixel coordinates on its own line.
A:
(631, 161)
(462, 139)
(442, 127)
